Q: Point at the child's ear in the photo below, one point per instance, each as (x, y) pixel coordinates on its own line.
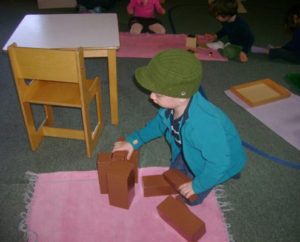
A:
(183, 100)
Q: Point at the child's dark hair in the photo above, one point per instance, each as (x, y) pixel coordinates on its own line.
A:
(292, 20)
(223, 8)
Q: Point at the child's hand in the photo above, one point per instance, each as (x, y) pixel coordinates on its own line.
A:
(186, 190)
(123, 146)
(163, 11)
(210, 37)
(243, 57)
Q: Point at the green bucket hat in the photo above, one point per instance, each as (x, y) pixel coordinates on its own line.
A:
(174, 73)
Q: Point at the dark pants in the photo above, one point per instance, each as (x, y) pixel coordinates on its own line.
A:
(181, 165)
(284, 54)
(145, 22)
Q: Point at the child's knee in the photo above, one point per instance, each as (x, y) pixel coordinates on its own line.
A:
(136, 28)
(157, 28)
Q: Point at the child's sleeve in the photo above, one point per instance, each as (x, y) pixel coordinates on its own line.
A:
(131, 6)
(221, 33)
(294, 43)
(153, 129)
(158, 7)
(247, 38)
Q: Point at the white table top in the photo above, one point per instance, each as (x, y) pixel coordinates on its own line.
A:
(67, 31)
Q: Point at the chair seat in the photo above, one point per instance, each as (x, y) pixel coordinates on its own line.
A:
(54, 93)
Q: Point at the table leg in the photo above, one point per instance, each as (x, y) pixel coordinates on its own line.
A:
(113, 85)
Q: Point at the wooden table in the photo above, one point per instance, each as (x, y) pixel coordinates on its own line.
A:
(98, 34)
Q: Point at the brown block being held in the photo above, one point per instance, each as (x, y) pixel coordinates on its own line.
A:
(156, 185)
(176, 179)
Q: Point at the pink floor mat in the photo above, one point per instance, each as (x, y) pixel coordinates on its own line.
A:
(68, 207)
(148, 45)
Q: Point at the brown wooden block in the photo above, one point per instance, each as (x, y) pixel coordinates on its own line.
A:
(156, 185)
(120, 180)
(177, 215)
(103, 161)
(176, 179)
(134, 160)
(119, 155)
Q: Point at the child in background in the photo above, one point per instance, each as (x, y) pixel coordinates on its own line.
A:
(94, 6)
(233, 26)
(143, 19)
(204, 143)
(291, 50)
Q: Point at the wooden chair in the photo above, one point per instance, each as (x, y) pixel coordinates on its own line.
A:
(55, 77)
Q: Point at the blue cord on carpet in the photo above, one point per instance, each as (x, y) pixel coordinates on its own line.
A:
(285, 163)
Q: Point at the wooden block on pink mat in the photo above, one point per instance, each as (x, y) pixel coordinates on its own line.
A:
(156, 185)
(134, 160)
(176, 179)
(191, 42)
(120, 180)
(178, 216)
(103, 161)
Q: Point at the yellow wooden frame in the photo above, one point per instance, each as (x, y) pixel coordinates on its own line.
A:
(56, 78)
(260, 92)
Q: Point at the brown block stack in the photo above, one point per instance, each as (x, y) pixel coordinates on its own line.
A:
(117, 177)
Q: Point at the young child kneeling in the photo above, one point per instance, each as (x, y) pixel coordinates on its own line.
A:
(204, 143)
(234, 27)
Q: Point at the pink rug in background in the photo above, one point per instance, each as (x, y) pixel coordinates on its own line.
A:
(148, 45)
(68, 207)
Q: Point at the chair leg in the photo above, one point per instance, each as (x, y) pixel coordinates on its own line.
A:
(87, 129)
(92, 136)
(35, 137)
(99, 108)
(49, 115)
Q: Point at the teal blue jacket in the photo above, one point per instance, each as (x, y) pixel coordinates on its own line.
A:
(211, 145)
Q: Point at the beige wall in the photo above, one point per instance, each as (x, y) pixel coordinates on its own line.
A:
(56, 3)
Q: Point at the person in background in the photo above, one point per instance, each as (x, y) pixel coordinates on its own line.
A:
(234, 27)
(143, 16)
(290, 51)
(204, 142)
(94, 6)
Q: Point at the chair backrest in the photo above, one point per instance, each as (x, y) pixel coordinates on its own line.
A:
(62, 65)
